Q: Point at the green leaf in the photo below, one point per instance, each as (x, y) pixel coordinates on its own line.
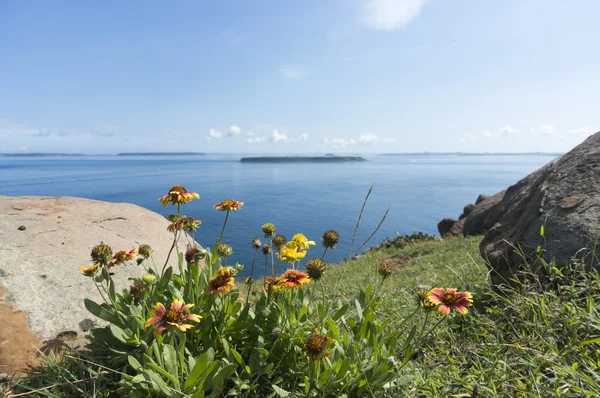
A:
(280, 391)
(111, 291)
(197, 375)
(359, 309)
(542, 230)
(170, 357)
(134, 363)
(158, 383)
(166, 374)
(164, 281)
(340, 313)
(119, 333)
(237, 357)
(591, 341)
(101, 312)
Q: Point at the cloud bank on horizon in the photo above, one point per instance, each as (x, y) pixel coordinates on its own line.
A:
(366, 75)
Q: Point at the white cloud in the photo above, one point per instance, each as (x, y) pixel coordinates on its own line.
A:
(364, 139)
(507, 131)
(255, 140)
(390, 14)
(583, 131)
(467, 137)
(277, 136)
(302, 137)
(367, 139)
(233, 131)
(214, 134)
(324, 142)
(293, 72)
(544, 129)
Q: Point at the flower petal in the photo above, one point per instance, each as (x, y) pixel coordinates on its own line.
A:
(184, 326)
(159, 309)
(176, 305)
(186, 307)
(153, 321)
(192, 317)
(159, 330)
(444, 309)
(461, 309)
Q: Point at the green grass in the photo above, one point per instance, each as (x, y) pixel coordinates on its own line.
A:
(540, 338)
(450, 263)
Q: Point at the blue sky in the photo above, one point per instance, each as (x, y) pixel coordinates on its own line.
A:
(298, 76)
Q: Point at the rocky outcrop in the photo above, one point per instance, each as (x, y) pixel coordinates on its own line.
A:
(446, 225)
(40, 264)
(475, 218)
(564, 196)
(468, 209)
(483, 216)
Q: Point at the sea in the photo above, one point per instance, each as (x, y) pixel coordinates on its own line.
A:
(310, 198)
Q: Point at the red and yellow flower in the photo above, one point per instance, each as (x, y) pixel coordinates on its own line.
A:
(174, 317)
(293, 278)
(221, 283)
(89, 271)
(275, 285)
(178, 195)
(185, 223)
(121, 256)
(449, 299)
(229, 205)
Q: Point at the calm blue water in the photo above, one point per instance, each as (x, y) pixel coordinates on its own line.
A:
(308, 198)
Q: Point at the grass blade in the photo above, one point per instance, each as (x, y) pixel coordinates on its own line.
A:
(360, 214)
(376, 229)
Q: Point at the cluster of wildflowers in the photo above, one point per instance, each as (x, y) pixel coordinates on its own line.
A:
(178, 195)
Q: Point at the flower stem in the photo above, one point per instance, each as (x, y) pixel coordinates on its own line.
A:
(266, 265)
(432, 329)
(251, 276)
(223, 229)
(323, 256)
(175, 238)
(322, 320)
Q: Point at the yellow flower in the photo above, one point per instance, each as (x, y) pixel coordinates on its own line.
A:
(291, 252)
(302, 242)
(89, 271)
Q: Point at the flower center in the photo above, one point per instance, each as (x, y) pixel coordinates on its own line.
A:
(449, 299)
(174, 316)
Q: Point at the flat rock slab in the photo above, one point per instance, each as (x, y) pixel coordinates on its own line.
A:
(18, 344)
(40, 264)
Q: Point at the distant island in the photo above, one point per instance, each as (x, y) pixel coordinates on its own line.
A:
(25, 154)
(161, 154)
(474, 154)
(302, 159)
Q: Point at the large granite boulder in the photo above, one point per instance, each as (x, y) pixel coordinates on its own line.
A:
(45, 241)
(446, 225)
(564, 196)
(483, 216)
(468, 209)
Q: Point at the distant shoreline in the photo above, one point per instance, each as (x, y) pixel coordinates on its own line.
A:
(161, 154)
(473, 154)
(302, 159)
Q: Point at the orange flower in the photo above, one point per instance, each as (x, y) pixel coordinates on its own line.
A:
(221, 283)
(174, 317)
(449, 299)
(89, 271)
(293, 279)
(121, 256)
(178, 195)
(229, 204)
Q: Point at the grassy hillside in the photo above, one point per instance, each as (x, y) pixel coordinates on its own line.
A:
(539, 339)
